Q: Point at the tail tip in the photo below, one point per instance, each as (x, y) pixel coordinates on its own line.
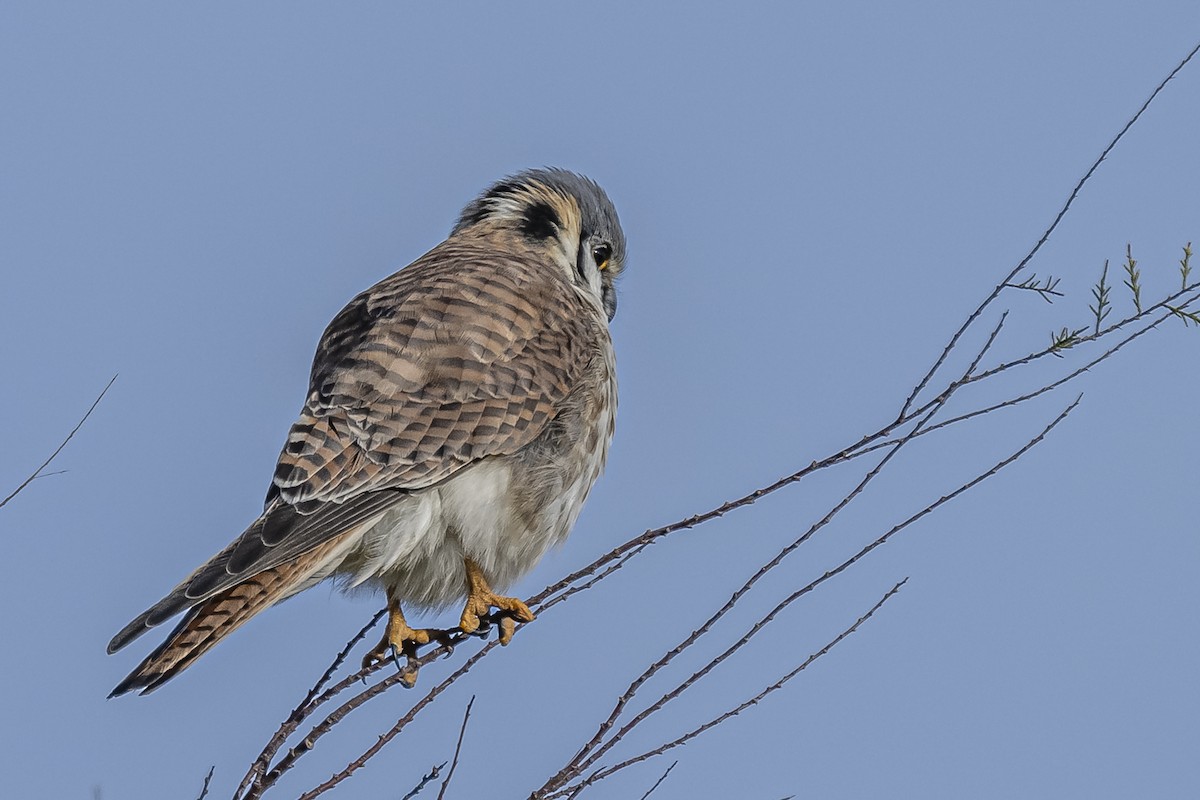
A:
(136, 681)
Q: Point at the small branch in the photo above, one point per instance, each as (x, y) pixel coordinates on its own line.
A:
(400, 725)
(1185, 265)
(1064, 340)
(457, 749)
(1013, 401)
(301, 711)
(38, 472)
(658, 782)
(1047, 289)
(432, 776)
(1179, 297)
(207, 778)
(1100, 294)
(1133, 278)
(425, 780)
(1188, 317)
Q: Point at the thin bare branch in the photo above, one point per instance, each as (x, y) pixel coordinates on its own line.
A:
(599, 745)
(1046, 289)
(595, 748)
(425, 780)
(1180, 299)
(207, 778)
(658, 782)
(400, 725)
(38, 472)
(733, 712)
(457, 750)
(301, 711)
(1087, 176)
(1013, 401)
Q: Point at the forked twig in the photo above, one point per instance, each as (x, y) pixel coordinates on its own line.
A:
(426, 779)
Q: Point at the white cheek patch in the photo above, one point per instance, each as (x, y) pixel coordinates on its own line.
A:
(593, 276)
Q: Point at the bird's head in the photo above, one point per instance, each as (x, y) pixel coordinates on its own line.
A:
(564, 215)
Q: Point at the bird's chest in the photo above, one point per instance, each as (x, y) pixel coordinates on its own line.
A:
(571, 452)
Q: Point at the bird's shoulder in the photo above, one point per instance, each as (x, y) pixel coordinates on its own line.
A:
(455, 322)
(466, 353)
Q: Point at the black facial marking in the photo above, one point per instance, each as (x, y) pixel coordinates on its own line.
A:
(478, 210)
(540, 221)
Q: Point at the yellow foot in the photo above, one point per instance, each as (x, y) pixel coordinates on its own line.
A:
(481, 600)
(398, 640)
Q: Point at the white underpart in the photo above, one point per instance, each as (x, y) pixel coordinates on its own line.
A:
(418, 545)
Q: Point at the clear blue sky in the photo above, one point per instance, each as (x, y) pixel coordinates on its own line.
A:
(814, 196)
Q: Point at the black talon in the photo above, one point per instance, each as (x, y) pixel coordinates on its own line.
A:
(408, 677)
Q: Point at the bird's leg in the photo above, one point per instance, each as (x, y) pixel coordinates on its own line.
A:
(399, 639)
(481, 600)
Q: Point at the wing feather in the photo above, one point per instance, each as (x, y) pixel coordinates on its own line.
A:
(465, 354)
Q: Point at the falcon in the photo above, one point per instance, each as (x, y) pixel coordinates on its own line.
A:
(458, 414)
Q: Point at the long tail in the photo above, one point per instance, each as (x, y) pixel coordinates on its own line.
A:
(222, 614)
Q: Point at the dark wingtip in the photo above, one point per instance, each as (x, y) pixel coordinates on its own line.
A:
(132, 681)
(130, 632)
(156, 615)
(136, 682)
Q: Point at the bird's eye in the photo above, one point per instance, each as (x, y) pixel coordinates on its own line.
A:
(601, 253)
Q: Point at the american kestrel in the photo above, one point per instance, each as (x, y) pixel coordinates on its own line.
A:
(458, 413)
